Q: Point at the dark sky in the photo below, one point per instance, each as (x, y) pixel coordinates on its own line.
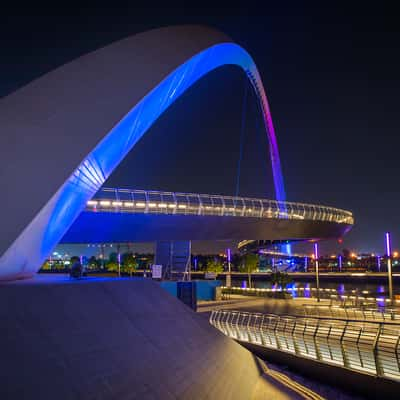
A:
(331, 76)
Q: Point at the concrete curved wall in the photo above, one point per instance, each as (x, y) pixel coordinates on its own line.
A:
(115, 339)
(64, 133)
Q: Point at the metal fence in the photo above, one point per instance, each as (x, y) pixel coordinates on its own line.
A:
(142, 201)
(361, 346)
(360, 313)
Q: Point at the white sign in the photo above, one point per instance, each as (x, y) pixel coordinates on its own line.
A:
(156, 271)
(210, 275)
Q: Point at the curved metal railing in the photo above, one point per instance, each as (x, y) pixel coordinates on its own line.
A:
(156, 202)
(362, 346)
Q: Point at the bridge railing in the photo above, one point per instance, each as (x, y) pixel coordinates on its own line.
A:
(142, 201)
(383, 314)
(362, 346)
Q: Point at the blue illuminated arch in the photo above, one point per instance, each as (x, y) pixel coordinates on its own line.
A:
(38, 239)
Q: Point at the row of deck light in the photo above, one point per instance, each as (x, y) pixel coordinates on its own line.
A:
(129, 204)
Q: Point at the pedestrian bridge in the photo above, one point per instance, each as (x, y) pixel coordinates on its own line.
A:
(143, 215)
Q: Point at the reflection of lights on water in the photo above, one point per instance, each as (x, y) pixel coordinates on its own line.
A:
(341, 289)
(292, 288)
(307, 290)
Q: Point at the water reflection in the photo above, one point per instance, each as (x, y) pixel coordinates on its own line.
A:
(343, 288)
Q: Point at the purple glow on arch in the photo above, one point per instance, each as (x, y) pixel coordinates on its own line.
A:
(388, 244)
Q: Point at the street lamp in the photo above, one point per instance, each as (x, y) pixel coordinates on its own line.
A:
(228, 277)
(316, 268)
(389, 266)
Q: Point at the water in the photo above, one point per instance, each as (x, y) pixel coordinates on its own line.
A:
(374, 289)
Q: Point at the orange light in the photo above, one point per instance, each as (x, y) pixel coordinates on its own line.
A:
(353, 255)
(395, 254)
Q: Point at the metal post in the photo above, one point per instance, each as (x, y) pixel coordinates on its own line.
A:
(389, 267)
(189, 262)
(229, 276)
(119, 260)
(102, 256)
(317, 269)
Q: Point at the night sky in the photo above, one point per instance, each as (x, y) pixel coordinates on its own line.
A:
(331, 77)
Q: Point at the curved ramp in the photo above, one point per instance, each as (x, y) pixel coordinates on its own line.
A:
(113, 339)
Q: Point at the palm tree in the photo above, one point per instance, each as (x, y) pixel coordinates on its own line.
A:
(249, 264)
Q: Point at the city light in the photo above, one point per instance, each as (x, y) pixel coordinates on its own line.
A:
(388, 244)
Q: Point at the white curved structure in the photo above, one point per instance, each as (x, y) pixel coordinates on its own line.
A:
(63, 134)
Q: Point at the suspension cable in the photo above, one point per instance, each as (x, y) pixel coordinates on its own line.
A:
(242, 133)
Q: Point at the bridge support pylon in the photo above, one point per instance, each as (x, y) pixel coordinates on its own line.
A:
(174, 256)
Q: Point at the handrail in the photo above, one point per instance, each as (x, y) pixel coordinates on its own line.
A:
(158, 202)
(369, 347)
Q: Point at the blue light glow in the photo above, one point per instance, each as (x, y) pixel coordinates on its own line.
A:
(39, 238)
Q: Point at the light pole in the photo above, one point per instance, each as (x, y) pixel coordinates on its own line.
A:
(389, 266)
(316, 268)
(119, 260)
(228, 277)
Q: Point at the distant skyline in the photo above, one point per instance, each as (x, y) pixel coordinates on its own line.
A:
(331, 76)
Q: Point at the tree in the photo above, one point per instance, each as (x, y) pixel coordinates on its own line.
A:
(129, 263)
(74, 259)
(214, 265)
(281, 279)
(93, 262)
(113, 257)
(249, 264)
(112, 266)
(46, 266)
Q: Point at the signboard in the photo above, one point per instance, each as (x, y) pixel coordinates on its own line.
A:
(210, 275)
(156, 271)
